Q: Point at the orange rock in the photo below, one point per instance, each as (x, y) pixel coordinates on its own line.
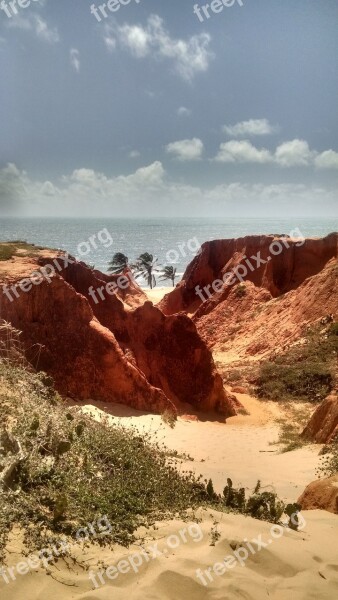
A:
(272, 308)
(239, 389)
(323, 425)
(107, 351)
(321, 494)
(278, 274)
(189, 417)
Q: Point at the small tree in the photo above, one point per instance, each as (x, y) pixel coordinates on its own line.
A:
(146, 267)
(169, 273)
(118, 264)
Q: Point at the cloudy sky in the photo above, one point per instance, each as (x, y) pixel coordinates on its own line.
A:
(151, 112)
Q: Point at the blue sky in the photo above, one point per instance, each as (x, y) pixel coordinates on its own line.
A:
(150, 112)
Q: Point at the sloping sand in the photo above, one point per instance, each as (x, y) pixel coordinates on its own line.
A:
(296, 566)
(239, 449)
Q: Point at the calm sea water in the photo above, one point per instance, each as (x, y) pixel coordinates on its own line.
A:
(160, 237)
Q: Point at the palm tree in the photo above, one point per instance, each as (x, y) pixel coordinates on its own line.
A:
(146, 267)
(118, 264)
(169, 273)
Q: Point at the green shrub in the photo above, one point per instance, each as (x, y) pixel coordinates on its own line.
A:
(74, 469)
(240, 291)
(333, 331)
(329, 462)
(305, 372)
(6, 252)
(311, 381)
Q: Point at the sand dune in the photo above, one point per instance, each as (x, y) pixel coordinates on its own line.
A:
(297, 565)
(240, 449)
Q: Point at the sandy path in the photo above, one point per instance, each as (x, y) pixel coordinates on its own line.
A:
(157, 293)
(239, 449)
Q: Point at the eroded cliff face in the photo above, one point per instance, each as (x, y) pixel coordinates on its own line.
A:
(273, 305)
(105, 350)
(276, 273)
(62, 337)
(167, 350)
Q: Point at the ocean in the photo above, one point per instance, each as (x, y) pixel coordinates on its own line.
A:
(172, 241)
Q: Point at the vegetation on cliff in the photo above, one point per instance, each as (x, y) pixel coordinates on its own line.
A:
(306, 371)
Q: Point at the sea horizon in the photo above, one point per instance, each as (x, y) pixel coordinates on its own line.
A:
(166, 238)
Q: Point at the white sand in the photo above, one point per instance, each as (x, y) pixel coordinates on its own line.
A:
(157, 293)
(297, 566)
(239, 449)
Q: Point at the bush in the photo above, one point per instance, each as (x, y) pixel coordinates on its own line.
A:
(311, 381)
(240, 291)
(62, 469)
(265, 506)
(329, 462)
(333, 331)
(6, 251)
(304, 372)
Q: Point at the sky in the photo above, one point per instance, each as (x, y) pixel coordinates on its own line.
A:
(162, 108)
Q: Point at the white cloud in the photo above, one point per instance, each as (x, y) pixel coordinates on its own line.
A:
(45, 33)
(250, 128)
(189, 56)
(182, 111)
(327, 160)
(152, 175)
(148, 191)
(37, 25)
(20, 22)
(186, 149)
(75, 59)
(242, 151)
(295, 153)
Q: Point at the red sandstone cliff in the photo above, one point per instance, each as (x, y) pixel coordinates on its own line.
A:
(106, 352)
(278, 274)
(273, 305)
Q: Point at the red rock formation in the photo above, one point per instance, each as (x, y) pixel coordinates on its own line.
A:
(279, 274)
(62, 337)
(249, 322)
(274, 304)
(323, 425)
(321, 494)
(167, 350)
(103, 351)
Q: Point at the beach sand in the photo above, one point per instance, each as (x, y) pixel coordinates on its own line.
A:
(298, 565)
(157, 293)
(240, 449)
